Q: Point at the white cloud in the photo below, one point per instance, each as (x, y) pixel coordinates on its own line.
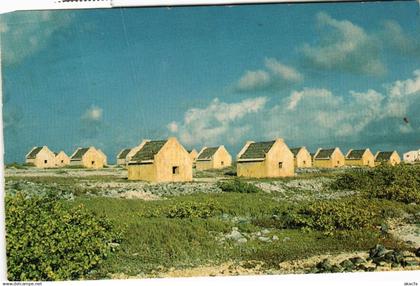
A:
(344, 46)
(217, 123)
(283, 71)
(274, 74)
(94, 113)
(253, 80)
(394, 36)
(25, 33)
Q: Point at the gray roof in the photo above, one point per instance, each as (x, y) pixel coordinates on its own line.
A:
(123, 153)
(257, 150)
(79, 154)
(384, 155)
(148, 151)
(356, 154)
(325, 153)
(296, 150)
(34, 152)
(207, 154)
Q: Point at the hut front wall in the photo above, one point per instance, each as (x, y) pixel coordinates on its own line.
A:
(222, 159)
(173, 163)
(303, 160)
(62, 160)
(44, 159)
(92, 160)
(322, 163)
(280, 161)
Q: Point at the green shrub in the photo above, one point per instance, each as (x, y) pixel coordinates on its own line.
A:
(191, 209)
(47, 241)
(400, 183)
(237, 186)
(332, 215)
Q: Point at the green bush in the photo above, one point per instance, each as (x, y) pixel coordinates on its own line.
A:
(400, 183)
(332, 215)
(237, 186)
(47, 241)
(192, 210)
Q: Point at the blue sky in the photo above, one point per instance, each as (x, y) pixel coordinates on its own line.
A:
(319, 75)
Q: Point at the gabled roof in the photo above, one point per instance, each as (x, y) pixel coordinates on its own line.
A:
(34, 152)
(324, 154)
(296, 150)
(384, 155)
(257, 150)
(79, 153)
(356, 154)
(207, 153)
(148, 151)
(123, 153)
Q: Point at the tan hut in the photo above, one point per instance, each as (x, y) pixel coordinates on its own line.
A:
(122, 157)
(41, 157)
(362, 157)
(193, 154)
(61, 159)
(328, 158)
(161, 161)
(104, 157)
(302, 157)
(213, 158)
(87, 157)
(387, 157)
(265, 160)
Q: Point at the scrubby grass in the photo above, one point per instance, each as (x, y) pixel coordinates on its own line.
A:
(161, 241)
(399, 183)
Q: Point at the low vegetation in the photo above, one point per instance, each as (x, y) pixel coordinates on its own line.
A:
(400, 183)
(240, 223)
(46, 241)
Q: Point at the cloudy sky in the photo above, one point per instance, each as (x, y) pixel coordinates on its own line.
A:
(318, 75)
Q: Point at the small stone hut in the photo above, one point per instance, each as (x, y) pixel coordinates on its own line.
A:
(41, 157)
(360, 157)
(213, 158)
(87, 157)
(328, 158)
(161, 161)
(302, 157)
(267, 159)
(387, 157)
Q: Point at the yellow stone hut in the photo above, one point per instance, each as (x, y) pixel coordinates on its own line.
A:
(87, 157)
(361, 157)
(161, 161)
(122, 157)
(387, 157)
(302, 157)
(61, 159)
(193, 154)
(328, 158)
(41, 157)
(213, 158)
(265, 160)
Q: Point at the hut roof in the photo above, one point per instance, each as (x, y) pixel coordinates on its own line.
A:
(123, 153)
(325, 154)
(148, 151)
(34, 152)
(356, 154)
(257, 150)
(79, 153)
(207, 153)
(296, 150)
(384, 155)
